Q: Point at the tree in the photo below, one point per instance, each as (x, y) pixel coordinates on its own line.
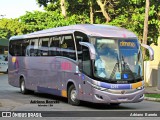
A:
(53, 5)
(102, 4)
(10, 27)
(37, 20)
(91, 11)
(124, 13)
(4, 33)
(145, 31)
(63, 7)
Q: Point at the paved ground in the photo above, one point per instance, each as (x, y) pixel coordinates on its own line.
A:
(152, 90)
(12, 100)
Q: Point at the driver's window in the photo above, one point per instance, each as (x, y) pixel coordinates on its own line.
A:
(83, 53)
(86, 61)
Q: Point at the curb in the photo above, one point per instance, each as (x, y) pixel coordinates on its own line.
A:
(152, 99)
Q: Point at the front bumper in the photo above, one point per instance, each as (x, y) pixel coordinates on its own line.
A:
(123, 96)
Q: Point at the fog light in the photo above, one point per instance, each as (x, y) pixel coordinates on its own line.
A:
(139, 88)
(141, 96)
(99, 96)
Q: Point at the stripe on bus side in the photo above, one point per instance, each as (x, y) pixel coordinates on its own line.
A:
(121, 86)
(136, 85)
(64, 93)
(52, 91)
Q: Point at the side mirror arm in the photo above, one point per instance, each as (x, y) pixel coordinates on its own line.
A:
(151, 51)
(91, 49)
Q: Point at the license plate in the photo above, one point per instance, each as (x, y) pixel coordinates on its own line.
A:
(122, 99)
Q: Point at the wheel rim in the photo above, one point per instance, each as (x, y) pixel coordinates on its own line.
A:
(22, 86)
(73, 95)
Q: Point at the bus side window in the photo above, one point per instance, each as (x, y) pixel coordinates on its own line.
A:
(86, 62)
(54, 49)
(15, 47)
(68, 46)
(25, 44)
(11, 47)
(43, 46)
(33, 47)
(80, 37)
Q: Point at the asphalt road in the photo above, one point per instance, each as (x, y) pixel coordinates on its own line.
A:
(12, 100)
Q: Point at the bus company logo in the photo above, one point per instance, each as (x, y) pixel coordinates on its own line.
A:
(123, 92)
(128, 44)
(66, 66)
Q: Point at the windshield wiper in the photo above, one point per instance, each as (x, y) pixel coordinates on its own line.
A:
(118, 63)
(123, 63)
(115, 68)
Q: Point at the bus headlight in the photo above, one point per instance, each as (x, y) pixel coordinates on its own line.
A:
(140, 88)
(97, 87)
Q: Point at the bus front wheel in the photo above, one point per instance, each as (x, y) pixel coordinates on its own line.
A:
(72, 94)
(22, 86)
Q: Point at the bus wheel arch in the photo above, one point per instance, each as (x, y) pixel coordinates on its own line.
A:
(71, 94)
(22, 85)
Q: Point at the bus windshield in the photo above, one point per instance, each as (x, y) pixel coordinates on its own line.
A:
(117, 59)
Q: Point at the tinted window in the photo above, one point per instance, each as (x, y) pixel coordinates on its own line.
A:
(54, 49)
(43, 46)
(14, 48)
(18, 47)
(83, 53)
(80, 37)
(68, 47)
(11, 47)
(33, 48)
(25, 44)
(86, 62)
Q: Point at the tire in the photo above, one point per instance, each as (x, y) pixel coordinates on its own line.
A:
(72, 96)
(23, 87)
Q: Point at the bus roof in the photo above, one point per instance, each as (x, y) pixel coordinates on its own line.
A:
(89, 29)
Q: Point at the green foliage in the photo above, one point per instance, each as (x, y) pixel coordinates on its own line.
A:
(152, 95)
(4, 33)
(125, 13)
(37, 20)
(130, 14)
(10, 27)
(49, 5)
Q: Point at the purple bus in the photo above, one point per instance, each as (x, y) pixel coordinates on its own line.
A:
(86, 62)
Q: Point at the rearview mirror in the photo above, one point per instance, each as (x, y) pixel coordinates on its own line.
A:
(151, 52)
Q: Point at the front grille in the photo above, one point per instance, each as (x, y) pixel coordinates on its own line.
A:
(121, 91)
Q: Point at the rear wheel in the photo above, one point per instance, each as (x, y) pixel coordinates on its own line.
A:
(23, 87)
(72, 94)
